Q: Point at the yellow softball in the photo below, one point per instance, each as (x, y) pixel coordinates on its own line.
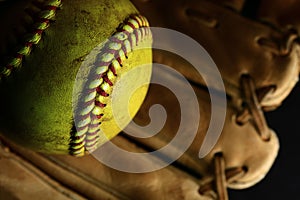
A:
(58, 78)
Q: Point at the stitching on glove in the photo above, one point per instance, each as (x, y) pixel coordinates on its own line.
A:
(252, 107)
(281, 47)
(221, 178)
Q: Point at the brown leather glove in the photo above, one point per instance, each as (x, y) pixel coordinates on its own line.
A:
(256, 49)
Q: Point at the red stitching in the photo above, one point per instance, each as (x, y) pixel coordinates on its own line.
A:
(113, 70)
(101, 105)
(118, 56)
(102, 92)
(106, 79)
(99, 116)
(8, 68)
(51, 8)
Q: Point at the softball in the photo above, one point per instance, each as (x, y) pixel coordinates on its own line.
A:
(60, 70)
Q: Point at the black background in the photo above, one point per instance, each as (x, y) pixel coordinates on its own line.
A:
(282, 181)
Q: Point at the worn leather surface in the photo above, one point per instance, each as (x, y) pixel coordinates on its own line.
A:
(234, 41)
(281, 15)
(258, 39)
(91, 179)
(236, 142)
(68, 177)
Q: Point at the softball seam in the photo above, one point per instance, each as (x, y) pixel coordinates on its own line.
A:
(129, 34)
(31, 39)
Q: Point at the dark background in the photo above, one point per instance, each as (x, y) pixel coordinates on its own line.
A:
(282, 181)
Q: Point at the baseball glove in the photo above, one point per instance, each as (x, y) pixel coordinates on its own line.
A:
(256, 49)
